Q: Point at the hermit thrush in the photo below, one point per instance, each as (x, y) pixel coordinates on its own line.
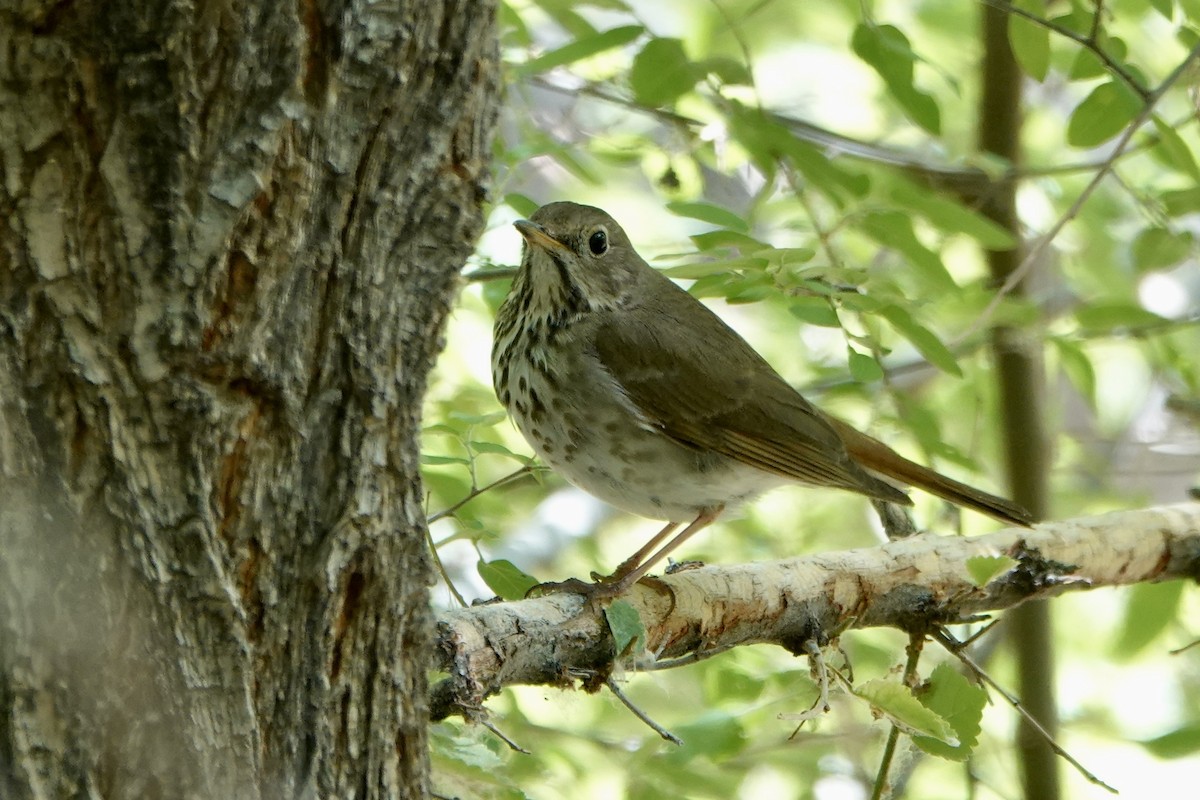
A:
(636, 392)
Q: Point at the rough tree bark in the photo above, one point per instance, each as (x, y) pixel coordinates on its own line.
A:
(231, 235)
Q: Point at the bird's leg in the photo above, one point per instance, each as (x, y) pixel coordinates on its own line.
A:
(602, 583)
(617, 583)
(631, 563)
(634, 568)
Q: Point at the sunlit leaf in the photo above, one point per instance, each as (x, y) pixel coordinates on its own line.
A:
(1030, 42)
(1176, 150)
(894, 229)
(707, 212)
(922, 338)
(662, 72)
(505, 579)
(629, 634)
(951, 216)
(896, 702)
(726, 238)
(864, 368)
(715, 734)
(581, 49)
(983, 569)
(960, 703)
(1155, 248)
(1149, 609)
(499, 450)
(887, 50)
(432, 460)
(1102, 115)
(489, 418)
(814, 311)
(1088, 65)
(1115, 316)
(1183, 741)
(521, 204)
(1078, 368)
(727, 70)
(1179, 202)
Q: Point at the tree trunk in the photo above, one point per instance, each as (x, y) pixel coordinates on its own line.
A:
(232, 233)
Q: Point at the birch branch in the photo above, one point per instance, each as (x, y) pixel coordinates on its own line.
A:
(909, 584)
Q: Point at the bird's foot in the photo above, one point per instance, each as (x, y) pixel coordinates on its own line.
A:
(602, 587)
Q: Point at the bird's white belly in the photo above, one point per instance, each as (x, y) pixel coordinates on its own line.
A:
(606, 450)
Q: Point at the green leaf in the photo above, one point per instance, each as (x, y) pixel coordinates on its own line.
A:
(983, 569)
(703, 269)
(958, 701)
(1164, 7)
(896, 702)
(1102, 114)
(922, 338)
(1149, 609)
(1088, 65)
(767, 140)
(750, 289)
(707, 212)
(430, 459)
(1178, 743)
(894, 229)
(1155, 248)
(716, 735)
(864, 368)
(814, 311)
(951, 216)
(499, 450)
(1179, 202)
(1078, 367)
(662, 72)
(886, 49)
(580, 49)
(726, 238)
(1115, 316)
(1030, 42)
(727, 70)
(1175, 149)
(629, 634)
(489, 418)
(786, 256)
(520, 203)
(503, 578)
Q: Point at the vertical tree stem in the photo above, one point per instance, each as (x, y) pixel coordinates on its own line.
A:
(1020, 374)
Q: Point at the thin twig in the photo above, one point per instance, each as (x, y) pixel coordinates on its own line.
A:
(683, 661)
(916, 642)
(441, 570)
(943, 637)
(1022, 269)
(1088, 42)
(494, 274)
(512, 476)
(487, 724)
(820, 706)
(642, 715)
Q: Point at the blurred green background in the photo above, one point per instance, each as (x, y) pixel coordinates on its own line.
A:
(788, 163)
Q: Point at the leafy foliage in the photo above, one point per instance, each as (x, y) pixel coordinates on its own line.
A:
(811, 169)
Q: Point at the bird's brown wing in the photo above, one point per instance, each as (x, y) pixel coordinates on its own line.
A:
(700, 383)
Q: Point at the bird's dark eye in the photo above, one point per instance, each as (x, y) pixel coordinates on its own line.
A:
(598, 243)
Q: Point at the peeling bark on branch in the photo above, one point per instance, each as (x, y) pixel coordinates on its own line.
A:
(909, 584)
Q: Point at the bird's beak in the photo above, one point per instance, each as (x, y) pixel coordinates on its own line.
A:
(536, 236)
